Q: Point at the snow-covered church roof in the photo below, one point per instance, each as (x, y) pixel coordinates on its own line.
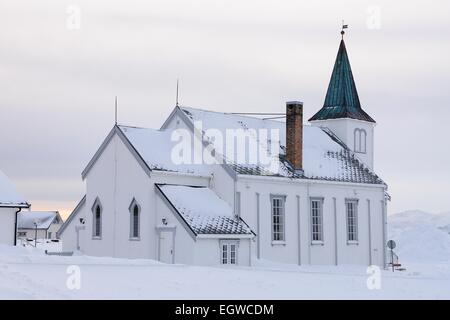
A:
(324, 156)
(203, 211)
(9, 197)
(155, 148)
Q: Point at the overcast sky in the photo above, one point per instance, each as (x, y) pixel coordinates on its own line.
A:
(58, 81)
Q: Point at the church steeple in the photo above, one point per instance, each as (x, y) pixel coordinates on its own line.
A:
(342, 99)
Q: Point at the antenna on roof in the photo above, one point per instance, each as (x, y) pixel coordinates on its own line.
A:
(177, 94)
(115, 111)
(344, 26)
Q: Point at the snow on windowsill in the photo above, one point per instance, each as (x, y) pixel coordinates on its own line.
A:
(278, 243)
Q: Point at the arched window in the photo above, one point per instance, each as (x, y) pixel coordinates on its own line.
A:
(360, 137)
(357, 140)
(363, 141)
(135, 212)
(97, 219)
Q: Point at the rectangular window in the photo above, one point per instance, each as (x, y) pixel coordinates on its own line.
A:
(317, 219)
(49, 235)
(278, 218)
(351, 207)
(224, 253)
(229, 252)
(232, 254)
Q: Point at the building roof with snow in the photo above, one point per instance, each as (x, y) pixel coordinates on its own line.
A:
(342, 99)
(43, 219)
(325, 157)
(214, 216)
(9, 197)
(155, 148)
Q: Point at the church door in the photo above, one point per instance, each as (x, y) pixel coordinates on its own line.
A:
(167, 246)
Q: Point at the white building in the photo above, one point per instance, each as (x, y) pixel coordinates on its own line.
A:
(318, 200)
(39, 224)
(11, 202)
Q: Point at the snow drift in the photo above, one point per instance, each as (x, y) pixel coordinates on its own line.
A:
(420, 236)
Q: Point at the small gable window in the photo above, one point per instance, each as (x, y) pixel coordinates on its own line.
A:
(135, 212)
(97, 219)
(360, 137)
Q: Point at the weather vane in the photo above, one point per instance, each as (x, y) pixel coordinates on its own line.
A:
(344, 26)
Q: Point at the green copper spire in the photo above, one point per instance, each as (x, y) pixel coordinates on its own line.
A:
(342, 99)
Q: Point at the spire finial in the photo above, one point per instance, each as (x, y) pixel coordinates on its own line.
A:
(115, 111)
(344, 26)
(177, 104)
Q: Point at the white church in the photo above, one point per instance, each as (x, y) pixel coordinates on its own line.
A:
(317, 201)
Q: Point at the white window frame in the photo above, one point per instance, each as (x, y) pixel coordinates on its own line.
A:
(278, 213)
(316, 216)
(351, 217)
(227, 248)
(134, 204)
(363, 141)
(97, 204)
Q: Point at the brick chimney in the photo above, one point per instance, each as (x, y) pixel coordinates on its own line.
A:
(294, 134)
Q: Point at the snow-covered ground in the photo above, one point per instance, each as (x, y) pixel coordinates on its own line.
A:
(423, 247)
(421, 237)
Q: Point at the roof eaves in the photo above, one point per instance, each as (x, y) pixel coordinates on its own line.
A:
(116, 130)
(134, 152)
(169, 118)
(22, 205)
(99, 152)
(243, 221)
(226, 236)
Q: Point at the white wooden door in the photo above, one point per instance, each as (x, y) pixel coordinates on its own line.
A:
(166, 247)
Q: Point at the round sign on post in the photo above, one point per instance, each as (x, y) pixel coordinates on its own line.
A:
(391, 244)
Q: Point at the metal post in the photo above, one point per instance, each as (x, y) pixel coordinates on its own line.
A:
(392, 259)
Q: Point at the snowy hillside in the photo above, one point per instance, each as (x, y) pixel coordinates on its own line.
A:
(421, 237)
